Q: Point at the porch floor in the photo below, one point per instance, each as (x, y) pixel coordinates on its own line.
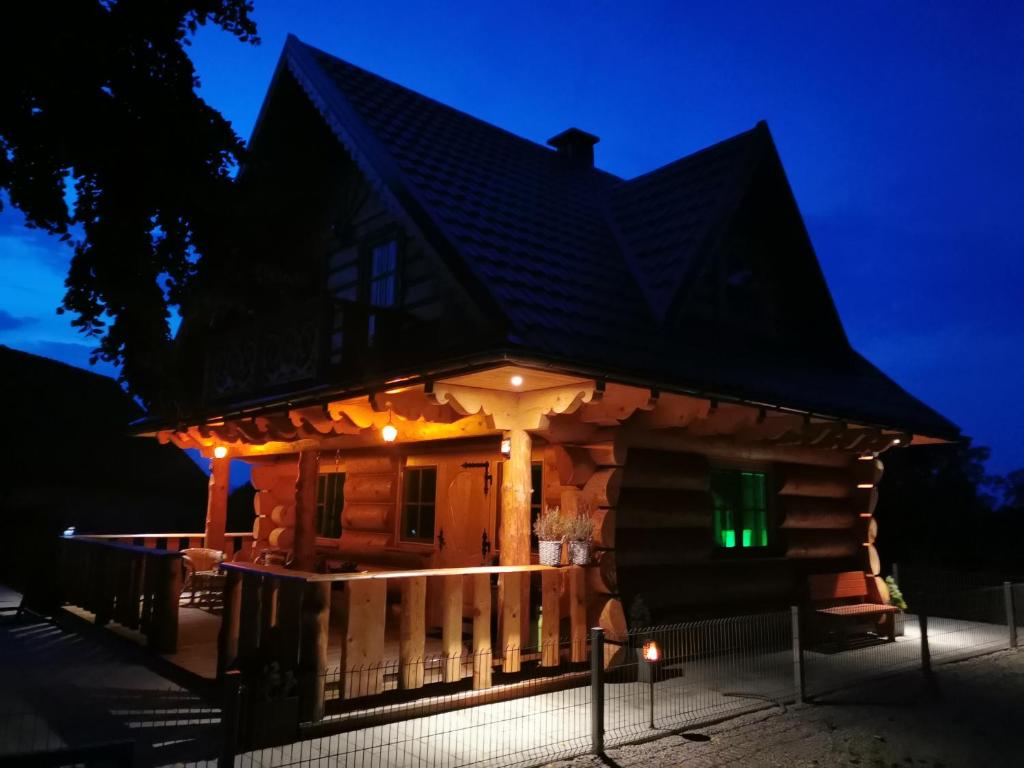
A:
(197, 638)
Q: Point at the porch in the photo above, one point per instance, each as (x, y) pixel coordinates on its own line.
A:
(273, 622)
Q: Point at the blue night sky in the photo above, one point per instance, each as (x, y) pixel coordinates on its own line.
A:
(900, 126)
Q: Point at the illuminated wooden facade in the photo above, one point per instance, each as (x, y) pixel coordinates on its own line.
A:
(661, 353)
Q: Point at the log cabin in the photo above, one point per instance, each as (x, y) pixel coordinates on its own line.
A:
(486, 326)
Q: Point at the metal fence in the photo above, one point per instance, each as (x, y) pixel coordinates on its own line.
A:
(638, 686)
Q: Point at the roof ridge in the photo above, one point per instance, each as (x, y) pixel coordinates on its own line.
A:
(448, 107)
(749, 133)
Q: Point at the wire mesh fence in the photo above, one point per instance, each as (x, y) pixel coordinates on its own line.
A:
(427, 712)
(521, 708)
(674, 677)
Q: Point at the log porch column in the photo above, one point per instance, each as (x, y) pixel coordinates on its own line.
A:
(515, 501)
(217, 504)
(305, 511)
(515, 523)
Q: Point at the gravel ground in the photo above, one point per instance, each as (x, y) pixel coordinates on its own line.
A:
(972, 714)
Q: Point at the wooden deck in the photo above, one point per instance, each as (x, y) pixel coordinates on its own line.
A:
(197, 639)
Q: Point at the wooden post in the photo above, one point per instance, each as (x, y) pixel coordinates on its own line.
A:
(412, 633)
(362, 647)
(227, 639)
(577, 614)
(515, 520)
(290, 595)
(316, 608)
(481, 631)
(268, 605)
(163, 637)
(451, 628)
(217, 503)
(249, 619)
(305, 511)
(511, 640)
(550, 588)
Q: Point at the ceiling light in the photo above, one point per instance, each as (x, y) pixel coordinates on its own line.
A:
(220, 452)
(517, 380)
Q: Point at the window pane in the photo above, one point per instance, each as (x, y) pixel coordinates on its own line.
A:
(740, 509)
(418, 503)
(383, 259)
(383, 264)
(382, 291)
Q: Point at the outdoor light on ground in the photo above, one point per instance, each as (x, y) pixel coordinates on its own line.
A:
(650, 655)
(651, 652)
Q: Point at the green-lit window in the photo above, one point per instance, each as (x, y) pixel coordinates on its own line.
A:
(330, 500)
(741, 508)
(419, 504)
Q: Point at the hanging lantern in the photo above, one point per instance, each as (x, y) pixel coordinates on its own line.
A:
(389, 431)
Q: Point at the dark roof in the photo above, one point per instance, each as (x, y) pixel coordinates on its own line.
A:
(582, 266)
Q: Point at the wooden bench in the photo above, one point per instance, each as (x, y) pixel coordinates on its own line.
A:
(839, 601)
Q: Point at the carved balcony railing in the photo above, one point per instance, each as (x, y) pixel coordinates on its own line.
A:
(304, 345)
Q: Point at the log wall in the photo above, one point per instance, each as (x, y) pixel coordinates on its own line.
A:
(655, 527)
(274, 504)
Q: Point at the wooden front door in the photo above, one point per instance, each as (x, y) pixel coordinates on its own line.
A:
(465, 511)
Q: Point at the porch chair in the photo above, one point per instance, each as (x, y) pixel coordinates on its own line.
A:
(201, 574)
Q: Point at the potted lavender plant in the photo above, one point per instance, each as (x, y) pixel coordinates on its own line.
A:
(579, 532)
(550, 528)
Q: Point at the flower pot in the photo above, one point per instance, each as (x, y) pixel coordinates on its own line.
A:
(579, 552)
(550, 552)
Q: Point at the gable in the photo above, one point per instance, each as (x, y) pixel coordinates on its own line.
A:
(758, 276)
(665, 218)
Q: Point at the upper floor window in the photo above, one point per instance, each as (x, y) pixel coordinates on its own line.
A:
(330, 501)
(383, 274)
(419, 501)
(382, 281)
(740, 508)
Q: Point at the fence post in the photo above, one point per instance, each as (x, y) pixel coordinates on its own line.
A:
(229, 716)
(799, 689)
(1011, 616)
(922, 621)
(597, 691)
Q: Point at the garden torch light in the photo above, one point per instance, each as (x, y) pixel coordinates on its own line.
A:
(650, 657)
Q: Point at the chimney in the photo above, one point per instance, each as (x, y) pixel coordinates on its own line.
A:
(576, 146)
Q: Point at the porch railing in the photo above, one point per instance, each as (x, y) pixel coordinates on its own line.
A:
(137, 587)
(278, 615)
(134, 580)
(237, 545)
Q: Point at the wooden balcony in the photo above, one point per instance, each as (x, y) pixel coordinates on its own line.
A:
(304, 345)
